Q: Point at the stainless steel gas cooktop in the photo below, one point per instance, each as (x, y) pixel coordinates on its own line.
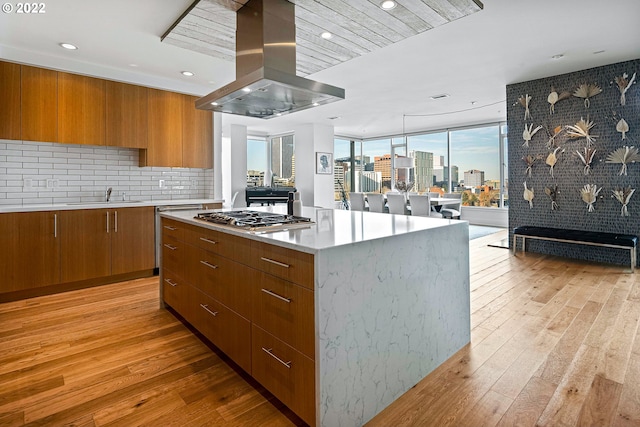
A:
(255, 220)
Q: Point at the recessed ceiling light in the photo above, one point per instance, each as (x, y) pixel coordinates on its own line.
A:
(214, 103)
(388, 5)
(187, 73)
(133, 65)
(69, 46)
(326, 35)
(558, 56)
(441, 96)
(246, 89)
(278, 114)
(315, 104)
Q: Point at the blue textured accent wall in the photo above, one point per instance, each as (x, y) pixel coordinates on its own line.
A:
(605, 110)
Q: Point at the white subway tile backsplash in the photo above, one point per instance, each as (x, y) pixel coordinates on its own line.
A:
(83, 173)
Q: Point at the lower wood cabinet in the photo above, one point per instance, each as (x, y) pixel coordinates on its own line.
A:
(226, 329)
(105, 242)
(285, 372)
(45, 249)
(29, 250)
(243, 297)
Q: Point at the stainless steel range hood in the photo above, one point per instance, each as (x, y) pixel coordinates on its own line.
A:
(266, 83)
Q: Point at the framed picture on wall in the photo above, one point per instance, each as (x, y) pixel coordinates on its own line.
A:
(324, 163)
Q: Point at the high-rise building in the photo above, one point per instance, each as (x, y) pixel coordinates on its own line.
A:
(382, 164)
(282, 157)
(423, 170)
(473, 178)
(255, 178)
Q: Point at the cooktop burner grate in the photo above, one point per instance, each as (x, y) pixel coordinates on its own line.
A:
(252, 219)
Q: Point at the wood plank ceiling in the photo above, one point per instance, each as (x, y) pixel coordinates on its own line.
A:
(358, 27)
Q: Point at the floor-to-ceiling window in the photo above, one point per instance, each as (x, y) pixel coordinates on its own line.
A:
(470, 160)
(283, 162)
(257, 162)
(431, 158)
(475, 152)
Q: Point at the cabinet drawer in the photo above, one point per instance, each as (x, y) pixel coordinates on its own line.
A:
(172, 229)
(288, 264)
(235, 248)
(285, 310)
(286, 373)
(225, 280)
(175, 292)
(174, 255)
(230, 332)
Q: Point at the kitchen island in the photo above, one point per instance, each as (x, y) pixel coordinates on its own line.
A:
(390, 298)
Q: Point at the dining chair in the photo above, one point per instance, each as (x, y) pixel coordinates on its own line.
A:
(376, 202)
(452, 210)
(356, 201)
(397, 203)
(421, 206)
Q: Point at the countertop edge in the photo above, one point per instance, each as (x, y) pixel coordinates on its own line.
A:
(187, 217)
(99, 205)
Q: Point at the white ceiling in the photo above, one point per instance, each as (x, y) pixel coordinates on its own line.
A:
(471, 59)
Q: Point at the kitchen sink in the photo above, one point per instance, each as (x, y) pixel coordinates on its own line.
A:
(115, 202)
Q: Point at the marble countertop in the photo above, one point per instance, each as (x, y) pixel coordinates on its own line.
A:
(331, 227)
(103, 205)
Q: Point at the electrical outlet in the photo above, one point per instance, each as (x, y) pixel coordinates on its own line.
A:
(27, 184)
(161, 183)
(51, 183)
(194, 183)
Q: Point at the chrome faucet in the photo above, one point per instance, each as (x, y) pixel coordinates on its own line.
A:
(108, 193)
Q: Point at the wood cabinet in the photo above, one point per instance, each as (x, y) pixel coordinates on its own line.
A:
(285, 372)
(29, 250)
(105, 242)
(132, 240)
(10, 116)
(126, 115)
(164, 147)
(37, 104)
(197, 135)
(85, 243)
(39, 108)
(254, 301)
(81, 109)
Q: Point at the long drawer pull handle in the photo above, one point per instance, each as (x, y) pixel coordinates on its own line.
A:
(170, 228)
(273, 294)
(268, 351)
(55, 225)
(208, 265)
(204, 239)
(171, 283)
(281, 264)
(206, 307)
(173, 248)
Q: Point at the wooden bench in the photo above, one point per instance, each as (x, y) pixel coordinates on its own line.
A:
(593, 238)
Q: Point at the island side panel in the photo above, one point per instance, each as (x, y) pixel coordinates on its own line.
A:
(388, 312)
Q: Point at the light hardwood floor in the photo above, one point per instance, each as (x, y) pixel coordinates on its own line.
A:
(554, 342)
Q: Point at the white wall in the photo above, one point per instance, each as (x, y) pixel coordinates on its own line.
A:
(234, 165)
(316, 190)
(82, 173)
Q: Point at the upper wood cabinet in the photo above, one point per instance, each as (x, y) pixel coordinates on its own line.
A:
(126, 115)
(165, 129)
(39, 110)
(81, 109)
(10, 101)
(197, 135)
